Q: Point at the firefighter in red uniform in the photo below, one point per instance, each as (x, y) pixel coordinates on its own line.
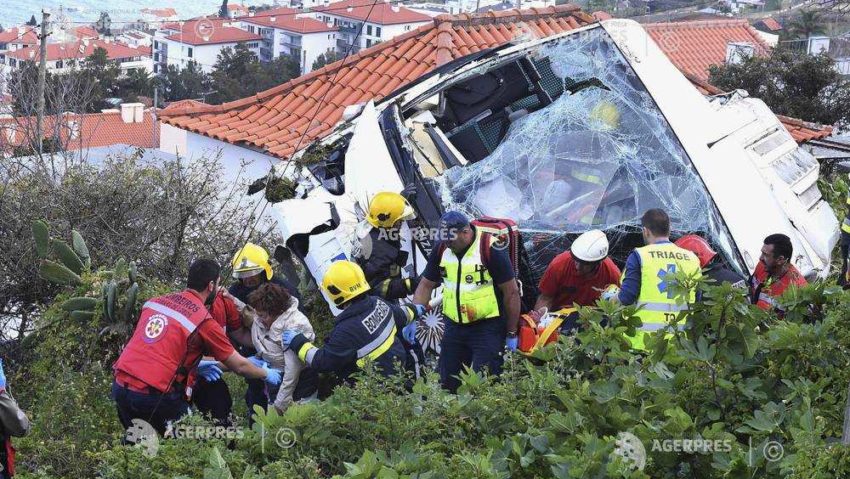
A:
(173, 333)
(774, 273)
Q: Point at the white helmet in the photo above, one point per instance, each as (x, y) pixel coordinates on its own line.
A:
(590, 247)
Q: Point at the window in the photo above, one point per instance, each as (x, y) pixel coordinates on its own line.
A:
(58, 63)
(156, 57)
(377, 31)
(407, 28)
(156, 45)
(190, 52)
(13, 62)
(369, 30)
(156, 68)
(368, 43)
(253, 45)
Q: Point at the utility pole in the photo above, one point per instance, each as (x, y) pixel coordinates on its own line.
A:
(42, 78)
(154, 113)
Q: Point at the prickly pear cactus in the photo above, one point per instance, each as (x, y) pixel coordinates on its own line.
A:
(67, 265)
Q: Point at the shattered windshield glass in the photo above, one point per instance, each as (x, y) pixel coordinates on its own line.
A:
(597, 156)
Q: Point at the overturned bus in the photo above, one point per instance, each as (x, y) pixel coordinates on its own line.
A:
(587, 129)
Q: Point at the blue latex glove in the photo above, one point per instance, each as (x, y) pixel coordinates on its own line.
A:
(286, 338)
(409, 332)
(511, 343)
(420, 309)
(2, 376)
(256, 361)
(273, 376)
(209, 370)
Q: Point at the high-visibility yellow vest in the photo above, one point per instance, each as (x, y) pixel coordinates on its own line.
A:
(845, 225)
(660, 264)
(468, 291)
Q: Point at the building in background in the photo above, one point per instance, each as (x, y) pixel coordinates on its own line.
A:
(363, 23)
(199, 41)
(62, 57)
(298, 35)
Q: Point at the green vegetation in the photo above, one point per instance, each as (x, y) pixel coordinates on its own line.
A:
(739, 376)
(791, 83)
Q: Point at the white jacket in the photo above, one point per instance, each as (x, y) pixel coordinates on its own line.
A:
(267, 342)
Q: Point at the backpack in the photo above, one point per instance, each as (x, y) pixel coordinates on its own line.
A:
(497, 233)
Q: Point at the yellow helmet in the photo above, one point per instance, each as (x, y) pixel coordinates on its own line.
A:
(387, 208)
(343, 281)
(251, 260)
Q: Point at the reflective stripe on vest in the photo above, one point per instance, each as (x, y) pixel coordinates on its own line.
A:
(377, 346)
(845, 225)
(660, 264)
(770, 300)
(189, 326)
(468, 291)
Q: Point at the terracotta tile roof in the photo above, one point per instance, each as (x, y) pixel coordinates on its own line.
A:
(180, 104)
(272, 12)
(381, 13)
(276, 119)
(291, 23)
(694, 46)
(771, 24)
(85, 31)
(92, 130)
(160, 12)
(209, 31)
(804, 131)
(80, 49)
(602, 15)
(21, 35)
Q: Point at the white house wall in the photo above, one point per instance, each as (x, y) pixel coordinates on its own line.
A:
(238, 162)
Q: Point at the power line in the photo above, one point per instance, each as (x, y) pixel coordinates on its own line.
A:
(249, 18)
(319, 105)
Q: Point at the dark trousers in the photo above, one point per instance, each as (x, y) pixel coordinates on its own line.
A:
(479, 345)
(156, 409)
(213, 400)
(255, 395)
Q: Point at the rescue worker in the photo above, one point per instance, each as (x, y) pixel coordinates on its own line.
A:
(251, 269)
(13, 422)
(844, 277)
(774, 273)
(709, 261)
(172, 334)
(578, 276)
(209, 393)
(649, 274)
(366, 329)
(381, 256)
(480, 300)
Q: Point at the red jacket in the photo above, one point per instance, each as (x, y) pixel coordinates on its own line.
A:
(159, 355)
(770, 289)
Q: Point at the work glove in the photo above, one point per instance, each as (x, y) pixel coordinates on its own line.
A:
(418, 309)
(256, 361)
(287, 337)
(511, 343)
(273, 376)
(409, 332)
(610, 293)
(2, 376)
(209, 370)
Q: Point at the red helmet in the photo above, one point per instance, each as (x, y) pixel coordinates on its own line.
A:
(699, 246)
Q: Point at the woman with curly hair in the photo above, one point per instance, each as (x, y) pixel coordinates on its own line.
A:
(277, 311)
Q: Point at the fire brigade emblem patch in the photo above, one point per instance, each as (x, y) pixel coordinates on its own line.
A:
(155, 328)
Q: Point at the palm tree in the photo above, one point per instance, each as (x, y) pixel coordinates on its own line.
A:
(807, 23)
